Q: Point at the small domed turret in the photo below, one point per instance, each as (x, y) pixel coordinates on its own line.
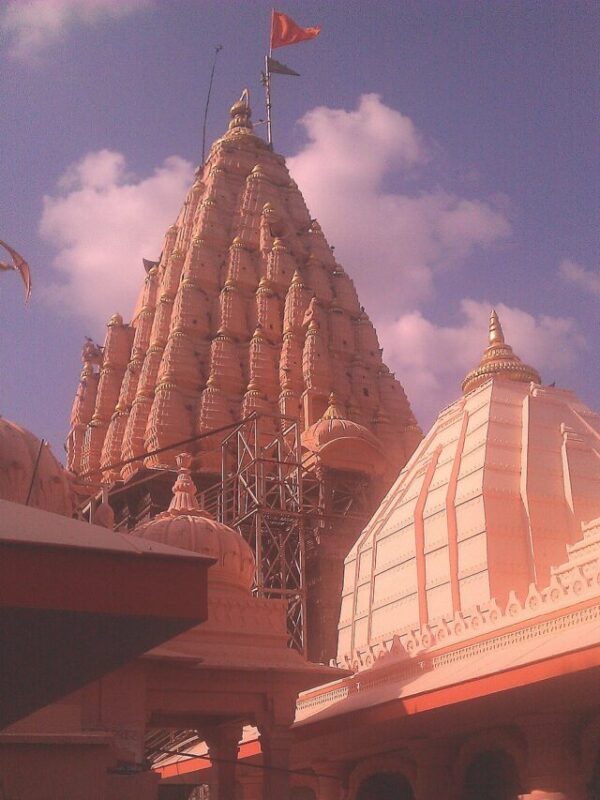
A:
(189, 527)
(343, 444)
(29, 472)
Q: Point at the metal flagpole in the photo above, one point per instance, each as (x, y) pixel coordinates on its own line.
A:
(268, 85)
(218, 49)
(268, 100)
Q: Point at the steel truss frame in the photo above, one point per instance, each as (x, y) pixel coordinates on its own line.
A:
(261, 496)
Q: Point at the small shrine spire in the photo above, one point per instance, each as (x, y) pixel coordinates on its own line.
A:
(499, 361)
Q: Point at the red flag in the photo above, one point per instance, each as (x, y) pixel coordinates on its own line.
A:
(20, 265)
(285, 31)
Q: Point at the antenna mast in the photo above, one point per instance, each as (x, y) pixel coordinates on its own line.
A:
(218, 49)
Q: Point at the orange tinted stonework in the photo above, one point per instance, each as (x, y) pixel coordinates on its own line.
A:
(246, 311)
(220, 325)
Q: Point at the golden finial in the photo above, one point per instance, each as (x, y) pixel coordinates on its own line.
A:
(240, 113)
(499, 361)
(115, 321)
(496, 335)
(332, 411)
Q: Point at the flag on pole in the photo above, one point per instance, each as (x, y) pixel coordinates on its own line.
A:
(285, 31)
(279, 68)
(19, 264)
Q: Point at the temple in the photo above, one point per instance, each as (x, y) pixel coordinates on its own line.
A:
(277, 588)
(470, 609)
(247, 311)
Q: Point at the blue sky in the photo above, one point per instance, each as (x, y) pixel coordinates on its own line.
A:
(449, 149)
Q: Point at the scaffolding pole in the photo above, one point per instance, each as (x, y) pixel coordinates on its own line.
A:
(261, 496)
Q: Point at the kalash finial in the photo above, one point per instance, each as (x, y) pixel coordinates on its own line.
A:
(332, 412)
(499, 361)
(240, 114)
(496, 333)
(184, 491)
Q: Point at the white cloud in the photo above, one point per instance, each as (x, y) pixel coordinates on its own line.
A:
(391, 242)
(33, 25)
(103, 221)
(431, 360)
(579, 276)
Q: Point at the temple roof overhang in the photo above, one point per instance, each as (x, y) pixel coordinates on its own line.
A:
(566, 650)
(78, 601)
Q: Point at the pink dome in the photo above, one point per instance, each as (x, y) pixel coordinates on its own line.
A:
(187, 526)
(19, 451)
(344, 444)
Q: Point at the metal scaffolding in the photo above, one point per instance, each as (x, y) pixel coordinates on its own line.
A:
(261, 496)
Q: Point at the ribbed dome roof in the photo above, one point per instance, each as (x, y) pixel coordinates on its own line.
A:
(189, 527)
(333, 425)
(488, 504)
(334, 435)
(20, 450)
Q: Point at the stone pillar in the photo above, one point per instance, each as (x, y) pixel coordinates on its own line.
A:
(330, 777)
(434, 775)
(223, 744)
(276, 742)
(552, 772)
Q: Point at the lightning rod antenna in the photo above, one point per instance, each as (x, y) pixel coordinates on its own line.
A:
(218, 49)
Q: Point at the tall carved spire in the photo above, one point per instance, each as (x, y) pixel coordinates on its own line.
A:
(499, 361)
(225, 322)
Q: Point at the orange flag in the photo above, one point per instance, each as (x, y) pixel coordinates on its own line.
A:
(285, 31)
(20, 265)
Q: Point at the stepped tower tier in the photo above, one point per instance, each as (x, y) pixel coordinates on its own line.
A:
(246, 309)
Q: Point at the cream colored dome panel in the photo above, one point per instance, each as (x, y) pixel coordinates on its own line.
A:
(488, 503)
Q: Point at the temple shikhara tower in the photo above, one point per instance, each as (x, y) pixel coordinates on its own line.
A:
(248, 313)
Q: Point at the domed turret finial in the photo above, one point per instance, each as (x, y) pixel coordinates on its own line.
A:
(499, 361)
(187, 526)
(332, 412)
(496, 335)
(184, 490)
(115, 321)
(240, 113)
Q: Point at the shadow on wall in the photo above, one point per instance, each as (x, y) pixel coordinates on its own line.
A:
(385, 786)
(493, 775)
